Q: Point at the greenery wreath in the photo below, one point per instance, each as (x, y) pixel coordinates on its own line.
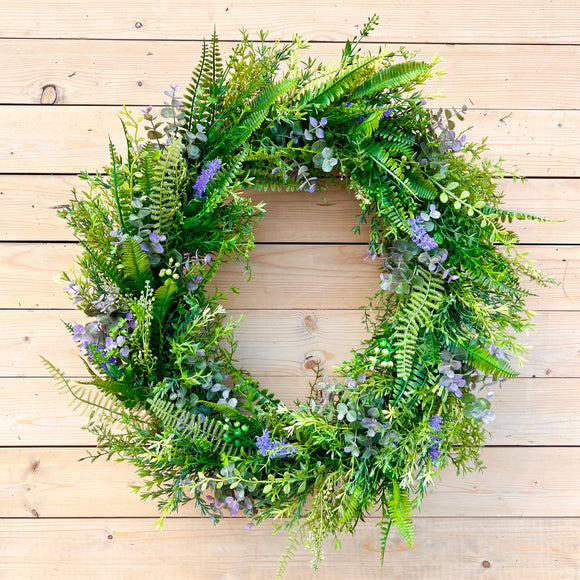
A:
(164, 391)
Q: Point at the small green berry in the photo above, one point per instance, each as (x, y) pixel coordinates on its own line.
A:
(175, 276)
(245, 428)
(237, 442)
(238, 432)
(237, 424)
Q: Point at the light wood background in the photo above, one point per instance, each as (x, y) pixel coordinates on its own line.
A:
(66, 67)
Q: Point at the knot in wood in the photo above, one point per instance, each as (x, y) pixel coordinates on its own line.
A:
(486, 564)
(310, 323)
(49, 95)
(311, 363)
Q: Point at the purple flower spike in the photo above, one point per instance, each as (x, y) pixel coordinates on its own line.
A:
(421, 237)
(435, 422)
(206, 176)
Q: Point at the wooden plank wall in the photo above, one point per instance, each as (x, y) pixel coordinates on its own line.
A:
(66, 67)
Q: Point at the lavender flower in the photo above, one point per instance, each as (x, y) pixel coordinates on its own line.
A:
(435, 449)
(435, 422)
(267, 447)
(421, 237)
(206, 176)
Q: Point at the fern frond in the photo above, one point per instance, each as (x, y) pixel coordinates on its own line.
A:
(399, 76)
(334, 89)
(399, 507)
(165, 197)
(127, 394)
(164, 296)
(91, 402)
(480, 358)
(195, 87)
(422, 304)
(135, 265)
(196, 426)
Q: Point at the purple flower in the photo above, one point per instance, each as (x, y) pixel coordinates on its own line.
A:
(78, 332)
(75, 292)
(420, 235)
(452, 277)
(264, 442)
(154, 246)
(457, 144)
(206, 176)
(435, 449)
(233, 505)
(113, 343)
(155, 238)
(272, 448)
(387, 113)
(496, 351)
(119, 237)
(435, 422)
(371, 255)
(131, 322)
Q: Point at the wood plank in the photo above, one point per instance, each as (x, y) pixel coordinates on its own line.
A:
(84, 72)
(520, 482)
(555, 22)
(283, 276)
(541, 411)
(29, 204)
(125, 548)
(272, 343)
(72, 139)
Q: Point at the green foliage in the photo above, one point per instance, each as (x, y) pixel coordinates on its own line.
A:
(135, 265)
(415, 315)
(399, 508)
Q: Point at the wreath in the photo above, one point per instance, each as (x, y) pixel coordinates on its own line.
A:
(164, 391)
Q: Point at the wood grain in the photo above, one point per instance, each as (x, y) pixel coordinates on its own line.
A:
(29, 211)
(84, 72)
(283, 276)
(126, 548)
(516, 62)
(72, 139)
(273, 343)
(449, 21)
(516, 482)
(540, 411)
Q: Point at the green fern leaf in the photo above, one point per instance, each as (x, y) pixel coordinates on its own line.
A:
(400, 76)
(399, 507)
(135, 265)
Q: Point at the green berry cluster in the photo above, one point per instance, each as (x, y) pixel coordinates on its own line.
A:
(236, 433)
(380, 354)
